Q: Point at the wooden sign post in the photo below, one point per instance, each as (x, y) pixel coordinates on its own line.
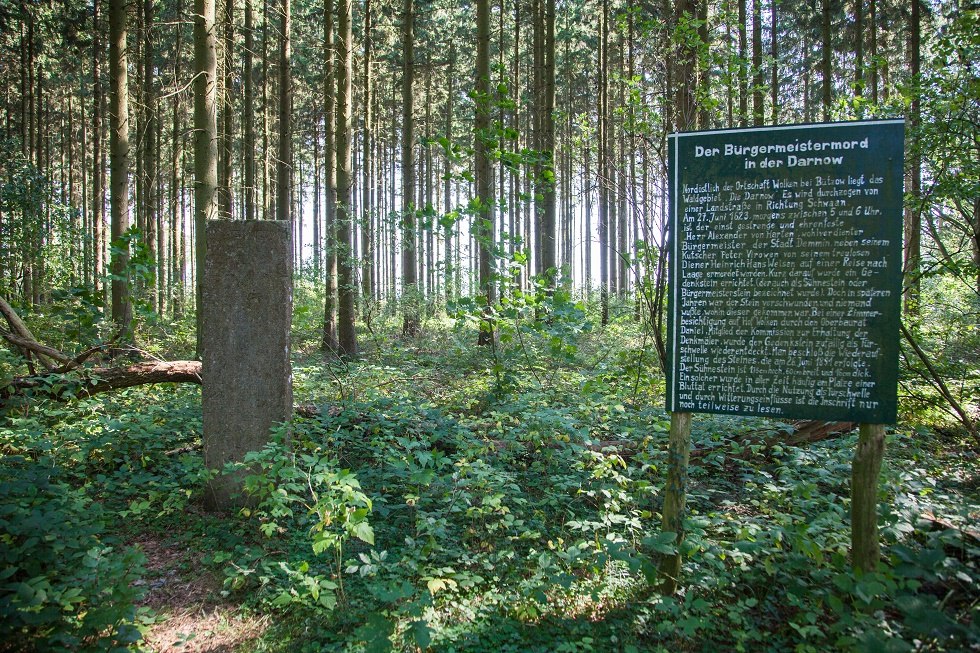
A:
(785, 289)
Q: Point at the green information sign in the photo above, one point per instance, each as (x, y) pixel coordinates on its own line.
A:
(786, 271)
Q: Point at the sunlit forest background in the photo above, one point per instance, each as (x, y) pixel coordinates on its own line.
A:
(479, 209)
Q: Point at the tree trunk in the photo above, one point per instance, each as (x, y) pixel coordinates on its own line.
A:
(205, 139)
(546, 227)
(98, 169)
(913, 209)
(122, 312)
(758, 110)
(859, 48)
(248, 88)
(150, 149)
(329, 340)
(411, 325)
(865, 470)
(367, 209)
(774, 52)
(743, 66)
(481, 163)
(827, 50)
(346, 288)
(225, 197)
(285, 162)
(679, 438)
(602, 165)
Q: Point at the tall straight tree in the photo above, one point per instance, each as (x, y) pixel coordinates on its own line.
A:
(329, 341)
(679, 438)
(226, 207)
(98, 168)
(151, 152)
(913, 211)
(826, 51)
(481, 162)
(346, 284)
(410, 325)
(367, 237)
(248, 87)
(122, 310)
(603, 165)
(284, 165)
(545, 232)
(205, 139)
(757, 84)
(743, 66)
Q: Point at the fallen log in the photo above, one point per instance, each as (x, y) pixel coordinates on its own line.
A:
(93, 381)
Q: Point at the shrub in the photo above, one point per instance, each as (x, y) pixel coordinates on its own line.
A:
(63, 587)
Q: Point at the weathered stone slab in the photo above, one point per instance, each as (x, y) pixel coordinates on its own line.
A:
(245, 321)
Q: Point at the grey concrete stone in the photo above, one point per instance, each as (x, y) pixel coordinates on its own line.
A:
(245, 321)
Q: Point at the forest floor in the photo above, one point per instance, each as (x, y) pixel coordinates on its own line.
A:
(451, 498)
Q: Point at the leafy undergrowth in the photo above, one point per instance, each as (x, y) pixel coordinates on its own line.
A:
(452, 499)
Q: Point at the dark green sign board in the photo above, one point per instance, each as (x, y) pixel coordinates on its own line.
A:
(786, 271)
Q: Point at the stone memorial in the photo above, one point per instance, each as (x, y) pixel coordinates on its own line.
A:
(786, 271)
(245, 322)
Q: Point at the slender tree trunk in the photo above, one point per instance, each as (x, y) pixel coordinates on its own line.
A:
(704, 64)
(865, 470)
(285, 163)
(205, 140)
(248, 88)
(827, 50)
(913, 209)
(122, 312)
(858, 48)
(546, 227)
(150, 150)
(873, 19)
(603, 164)
(743, 65)
(482, 170)
(226, 205)
(409, 254)
(266, 172)
(758, 110)
(346, 288)
(774, 53)
(98, 167)
(367, 208)
(329, 342)
(450, 273)
(679, 438)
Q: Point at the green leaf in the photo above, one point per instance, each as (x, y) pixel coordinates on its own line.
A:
(364, 532)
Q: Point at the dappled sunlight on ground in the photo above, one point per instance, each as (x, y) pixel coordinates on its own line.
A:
(192, 617)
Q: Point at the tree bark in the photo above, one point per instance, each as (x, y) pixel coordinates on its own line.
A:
(410, 326)
(758, 110)
(285, 163)
(675, 496)
(346, 287)
(93, 381)
(913, 209)
(225, 196)
(826, 50)
(865, 470)
(481, 163)
(329, 340)
(122, 311)
(367, 233)
(546, 227)
(205, 139)
(248, 88)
